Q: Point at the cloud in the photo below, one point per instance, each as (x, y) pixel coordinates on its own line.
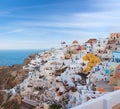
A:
(21, 44)
(41, 30)
(4, 13)
(16, 31)
(78, 20)
(82, 20)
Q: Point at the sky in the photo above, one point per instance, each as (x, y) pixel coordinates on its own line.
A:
(41, 24)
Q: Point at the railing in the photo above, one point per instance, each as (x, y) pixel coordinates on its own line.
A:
(107, 101)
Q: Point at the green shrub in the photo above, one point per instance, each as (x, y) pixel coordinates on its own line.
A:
(55, 106)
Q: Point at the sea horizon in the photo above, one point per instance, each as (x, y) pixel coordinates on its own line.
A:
(16, 56)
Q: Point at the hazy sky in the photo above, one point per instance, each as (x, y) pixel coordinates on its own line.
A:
(28, 24)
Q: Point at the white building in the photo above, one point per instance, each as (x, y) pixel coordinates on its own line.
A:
(116, 56)
(99, 46)
(108, 101)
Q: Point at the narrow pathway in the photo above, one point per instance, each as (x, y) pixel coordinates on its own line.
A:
(105, 85)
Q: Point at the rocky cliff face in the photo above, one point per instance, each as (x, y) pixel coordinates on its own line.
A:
(3, 97)
(27, 60)
(9, 103)
(13, 75)
(9, 78)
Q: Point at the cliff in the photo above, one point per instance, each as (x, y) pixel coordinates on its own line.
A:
(9, 103)
(10, 76)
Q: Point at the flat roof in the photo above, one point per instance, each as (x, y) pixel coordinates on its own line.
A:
(30, 102)
(116, 52)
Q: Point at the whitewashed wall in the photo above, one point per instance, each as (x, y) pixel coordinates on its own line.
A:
(105, 102)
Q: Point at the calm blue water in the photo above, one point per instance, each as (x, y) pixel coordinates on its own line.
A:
(10, 57)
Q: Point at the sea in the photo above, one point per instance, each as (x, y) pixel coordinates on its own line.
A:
(11, 57)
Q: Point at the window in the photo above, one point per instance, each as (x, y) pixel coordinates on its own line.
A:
(119, 70)
(98, 45)
(117, 60)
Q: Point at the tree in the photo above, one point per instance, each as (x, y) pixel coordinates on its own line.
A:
(55, 106)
